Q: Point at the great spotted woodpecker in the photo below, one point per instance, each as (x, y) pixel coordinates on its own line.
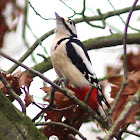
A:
(71, 62)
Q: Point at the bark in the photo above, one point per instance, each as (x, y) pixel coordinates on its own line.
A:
(14, 125)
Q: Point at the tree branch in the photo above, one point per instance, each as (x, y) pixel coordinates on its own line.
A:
(30, 50)
(24, 29)
(63, 109)
(107, 15)
(111, 40)
(125, 38)
(38, 13)
(133, 133)
(15, 125)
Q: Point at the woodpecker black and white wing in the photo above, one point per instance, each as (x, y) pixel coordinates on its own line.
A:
(80, 58)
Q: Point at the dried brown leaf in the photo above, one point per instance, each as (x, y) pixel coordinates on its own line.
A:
(127, 94)
(133, 61)
(116, 80)
(28, 99)
(113, 70)
(74, 116)
(25, 79)
(16, 80)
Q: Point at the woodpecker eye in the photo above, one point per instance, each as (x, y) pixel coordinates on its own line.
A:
(70, 21)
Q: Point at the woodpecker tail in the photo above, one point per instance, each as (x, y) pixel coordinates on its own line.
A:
(93, 101)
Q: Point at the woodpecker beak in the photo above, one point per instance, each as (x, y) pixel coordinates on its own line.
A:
(58, 18)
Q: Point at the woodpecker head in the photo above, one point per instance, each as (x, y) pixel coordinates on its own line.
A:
(65, 26)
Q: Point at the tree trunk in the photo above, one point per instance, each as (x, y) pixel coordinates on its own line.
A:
(14, 125)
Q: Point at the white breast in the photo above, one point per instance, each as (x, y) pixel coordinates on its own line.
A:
(65, 69)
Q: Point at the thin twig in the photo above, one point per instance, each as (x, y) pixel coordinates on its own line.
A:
(25, 19)
(122, 18)
(74, 12)
(64, 91)
(40, 113)
(50, 106)
(52, 97)
(24, 29)
(63, 125)
(58, 82)
(12, 92)
(125, 82)
(133, 133)
(34, 103)
(38, 13)
(30, 50)
(92, 25)
(37, 38)
(84, 7)
(85, 19)
(63, 109)
(102, 18)
(125, 38)
(107, 15)
(89, 93)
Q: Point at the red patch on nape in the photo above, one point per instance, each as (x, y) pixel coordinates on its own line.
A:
(81, 93)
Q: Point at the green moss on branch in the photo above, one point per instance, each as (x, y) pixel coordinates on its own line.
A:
(15, 125)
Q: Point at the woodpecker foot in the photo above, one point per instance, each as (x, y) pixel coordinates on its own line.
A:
(61, 82)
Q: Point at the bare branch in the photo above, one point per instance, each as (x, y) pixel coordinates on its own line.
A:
(24, 30)
(130, 105)
(85, 18)
(89, 93)
(74, 12)
(63, 109)
(107, 15)
(30, 50)
(133, 133)
(125, 38)
(38, 13)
